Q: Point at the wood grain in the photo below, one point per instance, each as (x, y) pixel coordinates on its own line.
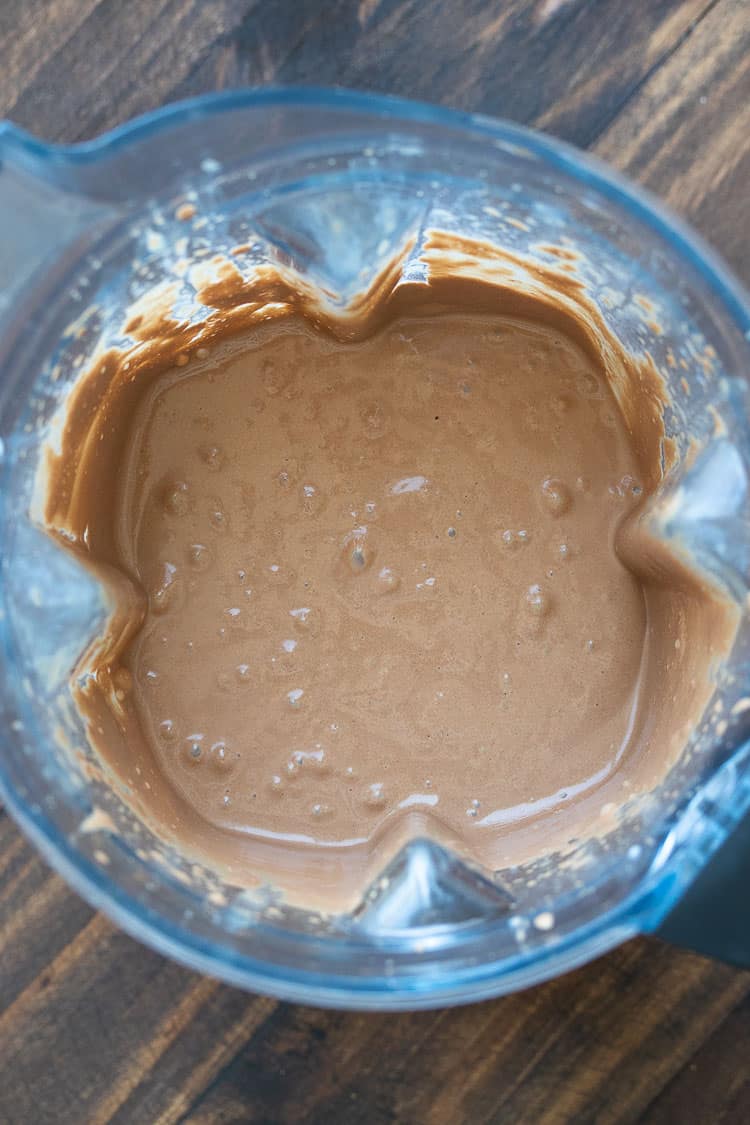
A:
(94, 1028)
(687, 134)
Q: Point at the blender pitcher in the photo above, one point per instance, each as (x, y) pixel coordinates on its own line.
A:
(333, 185)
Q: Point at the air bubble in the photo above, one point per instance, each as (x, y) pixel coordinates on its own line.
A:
(192, 750)
(588, 385)
(313, 499)
(211, 456)
(537, 601)
(388, 580)
(409, 484)
(375, 797)
(357, 553)
(176, 498)
(220, 757)
(217, 517)
(199, 556)
(556, 496)
(167, 730)
(164, 595)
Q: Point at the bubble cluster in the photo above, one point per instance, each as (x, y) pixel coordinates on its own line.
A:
(513, 539)
(627, 486)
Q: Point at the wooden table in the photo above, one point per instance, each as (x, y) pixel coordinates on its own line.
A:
(95, 1028)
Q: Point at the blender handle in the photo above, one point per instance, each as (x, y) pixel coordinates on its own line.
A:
(713, 915)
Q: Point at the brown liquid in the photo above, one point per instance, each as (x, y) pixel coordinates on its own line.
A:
(380, 575)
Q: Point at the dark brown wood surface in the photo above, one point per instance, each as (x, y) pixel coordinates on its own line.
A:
(94, 1028)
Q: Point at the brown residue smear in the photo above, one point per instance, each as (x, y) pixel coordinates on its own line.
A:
(380, 571)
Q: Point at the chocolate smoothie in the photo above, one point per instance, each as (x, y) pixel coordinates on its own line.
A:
(380, 576)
